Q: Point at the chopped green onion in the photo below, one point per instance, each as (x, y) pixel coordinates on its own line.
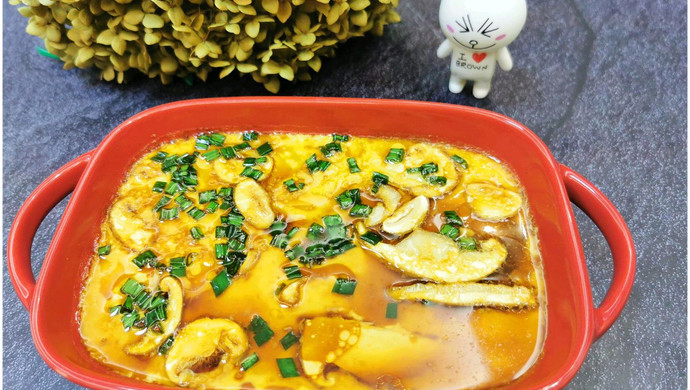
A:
(251, 172)
(128, 305)
(264, 149)
(172, 188)
(221, 231)
(323, 165)
(344, 286)
(159, 157)
(371, 238)
(292, 232)
(332, 220)
(132, 288)
(449, 230)
(236, 245)
(292, 272)
(249, 361)
(360, 210)
(196, 233)
(221, 250)
(233, 261)
(428, 168)
(352, 163)
(392, 310)
(232, 219)
(155, 315)
(277, 226)
(202, 142)
(225, 192)
(395, 155)
(211, 155)
(437, 180)
(211, 208)
(317, 165)
(251, 161)
(115, 310)
(467, 243)
(196, 213)
(242, 146)
(184, 202)
(292, 186)
(159, 186)
(379, 179)
(294, 253)
(167, 344)
(280, 241)
(340, 138)
(453, 218)
(315, 231)
(460, 160)
(221, 282)
(288, 340)
(104, 250)
(162, 203)
(262, 333)
(217, 139)
(348, 199)
(144, 258)
(207, 196)
(178, 267)
(250, 136)
(129, 319)
(331, 148)
(287, 367)
(169, 214)
(228, 152)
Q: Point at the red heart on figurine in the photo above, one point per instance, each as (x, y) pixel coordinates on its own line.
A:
(478, 57)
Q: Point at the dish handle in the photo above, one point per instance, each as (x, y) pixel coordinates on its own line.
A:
(48, 194)
(604, 214)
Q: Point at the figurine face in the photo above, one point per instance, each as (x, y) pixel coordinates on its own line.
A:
(482, 25)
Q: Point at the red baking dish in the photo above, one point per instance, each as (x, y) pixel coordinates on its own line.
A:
(573, 322)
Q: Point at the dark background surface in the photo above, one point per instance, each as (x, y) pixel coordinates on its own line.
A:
(602, 82)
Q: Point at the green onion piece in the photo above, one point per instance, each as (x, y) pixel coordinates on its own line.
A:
(196, 232)
(395, 155)
(221, 250)
(467, 243)
(414, 170)
(202, 142)
(277, 226)
(172, 188)
(312, 163)
(332, 220)
(104, 251)
(221, 282)
(288, 340)
(452, 218)
(292, 272)
(207, 196)
(232, 219)
(159, 157)
(225, 192)
(352, 163)
(128, 305)
(144, 258)
(132, 288)
(129, 319)
(323, 165)
(371, 238)
(167, 344)
(264, 149)
(242, 146)
(460, 161)
(291, 185)
(292, 232)
(159, 186)
(450, 231)
(287, 367)
(251, 172)
(428, 168)
(262, 333)
(360, 210)
(233, 261)
(437, 180)
(236, 245)
(211, 208)
(379, 179)
(115, 310)
(184, 202)
(294, 253)
(250, 136)
(228, 152)
(169, 214)
(162, 203)
(340, 138)
(348, 199)
(331, 148)
(221, 231)
(315, 231)
(196, 213)
(154, 316)
(211, 155)
(249, 361)
(280, 241)
(344, 286)
(178, 267)
(392, 310)
(216, 139)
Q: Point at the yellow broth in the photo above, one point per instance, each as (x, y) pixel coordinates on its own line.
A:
(432, 346)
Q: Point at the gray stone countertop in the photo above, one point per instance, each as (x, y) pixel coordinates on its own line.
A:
(603, 83)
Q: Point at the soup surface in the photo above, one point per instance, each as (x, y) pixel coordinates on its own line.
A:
(288, 261)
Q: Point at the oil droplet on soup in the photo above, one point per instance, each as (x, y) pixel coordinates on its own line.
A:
(246, 260)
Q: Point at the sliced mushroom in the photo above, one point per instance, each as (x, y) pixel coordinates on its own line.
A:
(151, 341)
(254, 203)
(204, 349)
(434, 256)
(467, 294)
(229, 170)
(133, 223)
(493, 203)
(408, 217)
(391, 201)
(377, 215)
(415, 183)
(291, 292)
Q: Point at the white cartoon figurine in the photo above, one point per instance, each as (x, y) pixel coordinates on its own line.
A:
(477, 34)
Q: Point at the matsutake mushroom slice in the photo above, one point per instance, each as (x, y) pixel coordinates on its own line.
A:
(408, 217)
(254, 204)
(133, 223)
(493, 203)
(151, 341)
(436, 257)
(467, 294)
(391, 201)
(204, 349)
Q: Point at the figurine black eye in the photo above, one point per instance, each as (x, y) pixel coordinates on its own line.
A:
(486, 29)
(466, 25)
